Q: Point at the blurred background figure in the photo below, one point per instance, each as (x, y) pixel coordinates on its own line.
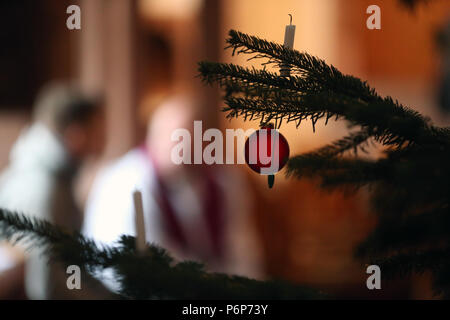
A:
(67, 128)
(195, 211)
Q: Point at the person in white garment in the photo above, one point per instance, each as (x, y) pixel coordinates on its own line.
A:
(67, 127)
(196, 212)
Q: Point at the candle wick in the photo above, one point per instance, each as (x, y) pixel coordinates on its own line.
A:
(290, 15)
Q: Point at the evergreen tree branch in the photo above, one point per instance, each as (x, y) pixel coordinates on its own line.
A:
(148, 275)
(337, 172)
(404, 264)
(410, 182)
(390, 128)
(236, 79)
(351, 142)
(405, 232)
(321, 86)
(305, 65)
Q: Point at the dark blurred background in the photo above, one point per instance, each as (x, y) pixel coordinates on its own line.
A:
(135, 50)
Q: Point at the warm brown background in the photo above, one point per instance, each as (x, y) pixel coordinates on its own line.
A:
(133, 50)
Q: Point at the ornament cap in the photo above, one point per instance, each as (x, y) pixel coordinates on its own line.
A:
(271, 180)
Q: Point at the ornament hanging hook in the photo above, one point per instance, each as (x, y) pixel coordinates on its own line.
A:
(290, 16)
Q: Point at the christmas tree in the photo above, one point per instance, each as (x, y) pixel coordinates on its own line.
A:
(409, 182)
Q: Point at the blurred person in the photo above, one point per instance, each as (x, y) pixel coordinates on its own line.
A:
(67, 127)
(196, 212)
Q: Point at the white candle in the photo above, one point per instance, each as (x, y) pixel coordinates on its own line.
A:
(289, 35)
(139, 220)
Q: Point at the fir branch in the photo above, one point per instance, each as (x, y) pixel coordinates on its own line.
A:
(236, 79)
(152, 274)
(406, 263)
(405, 232)
(337, 172)
(410, 183)
(403, 264)
(305, 65)
(58, 242)
(390, 126)
(320, 87)
(338, 147)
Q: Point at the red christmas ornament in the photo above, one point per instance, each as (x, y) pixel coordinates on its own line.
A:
(266, 152)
